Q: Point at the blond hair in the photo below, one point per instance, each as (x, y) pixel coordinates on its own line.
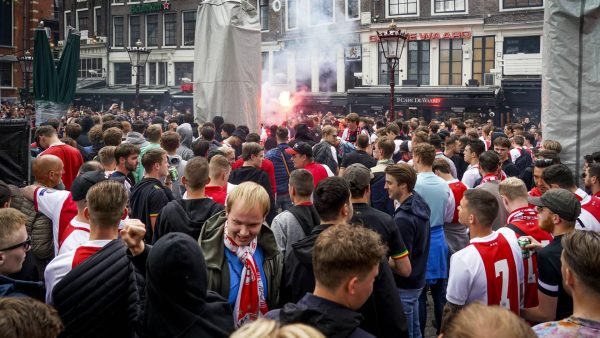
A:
(477, 320)
(251, 195)
(217, 166)
(106, 202)
(552, 145)
(266, 328)
(12, 220)
(107, 155)
(328, 130)
(513, 188)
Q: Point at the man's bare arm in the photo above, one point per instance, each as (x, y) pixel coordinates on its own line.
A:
(450, 311)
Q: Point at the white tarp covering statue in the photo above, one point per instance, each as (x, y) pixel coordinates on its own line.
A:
(571, 78)
(227, 63)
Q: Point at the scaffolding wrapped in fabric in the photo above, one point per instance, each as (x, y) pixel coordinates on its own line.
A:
(571, 78)
(227, 63)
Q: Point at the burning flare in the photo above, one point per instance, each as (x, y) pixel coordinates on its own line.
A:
(284, 99)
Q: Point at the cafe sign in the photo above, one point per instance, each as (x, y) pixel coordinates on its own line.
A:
(431, 36)
(151, 7)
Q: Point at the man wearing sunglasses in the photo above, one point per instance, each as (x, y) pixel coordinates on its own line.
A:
(14, 244)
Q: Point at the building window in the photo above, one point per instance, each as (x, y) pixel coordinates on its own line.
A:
(82, 20)
(184, 70)
(122, 73)
(321, 12)
(90, 68)
(6, 74)
(303, 72)
(134, 30)
(264, 14)
(402, 7)
(98, 29)
(142, 73)
(118, 1)
(152, 30)
(118, 31)
(483, 56)
(384, 71)
(450, 6)
(327, 73)
(512, 4)
(6, 23)
(352, 9)
(522, 45)
(157, 72)
(279, 67)
(189, 28)
(68, 22)
(418, 61)
(451, 55)
(291, 12)
(170, 22)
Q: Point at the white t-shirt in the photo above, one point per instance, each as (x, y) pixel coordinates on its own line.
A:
(589, 219)
(79, 234)
(515, 153)
(471, 175)
(62, 264)
(468, 278)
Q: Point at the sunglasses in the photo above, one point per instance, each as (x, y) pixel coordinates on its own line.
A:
(543, 162)
(26, 245)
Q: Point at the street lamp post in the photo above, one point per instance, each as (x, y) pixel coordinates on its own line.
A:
(26, 63)
(389, 42)
(138, 56)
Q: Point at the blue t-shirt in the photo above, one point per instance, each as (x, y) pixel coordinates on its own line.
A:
(235, 272)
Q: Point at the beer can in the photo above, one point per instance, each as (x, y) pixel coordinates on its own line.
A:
(173, 174)
(523, 242)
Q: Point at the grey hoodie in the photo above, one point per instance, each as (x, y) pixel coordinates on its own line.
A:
(186, 134)
(136, 138)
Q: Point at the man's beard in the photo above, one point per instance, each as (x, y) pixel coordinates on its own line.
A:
(546, 224)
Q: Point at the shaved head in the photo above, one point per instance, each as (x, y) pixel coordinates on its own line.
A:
(44, 169)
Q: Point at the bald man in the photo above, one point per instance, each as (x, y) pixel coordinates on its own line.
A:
(48, 171)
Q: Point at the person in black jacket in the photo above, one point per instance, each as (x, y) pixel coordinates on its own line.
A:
(177, 302)
(346, 260)
(253, 155)
(188, 215)
(383, 314)
(101, 295)
(149, 196)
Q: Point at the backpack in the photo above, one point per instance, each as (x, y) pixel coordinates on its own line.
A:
(323, 155)
(523, 161)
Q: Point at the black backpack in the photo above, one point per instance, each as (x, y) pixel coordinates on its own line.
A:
(523, 161)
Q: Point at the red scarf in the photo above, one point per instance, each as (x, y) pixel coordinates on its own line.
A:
(250, 303)
(489, 178)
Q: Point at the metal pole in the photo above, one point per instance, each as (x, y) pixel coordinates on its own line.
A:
(392, 84)
(137, 89)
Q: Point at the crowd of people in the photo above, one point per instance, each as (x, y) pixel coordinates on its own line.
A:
(152, 225)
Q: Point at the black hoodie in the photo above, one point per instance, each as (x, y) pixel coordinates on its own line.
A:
(332, 319)
(187, 216)
(245, 174)
(147, 199)
(383, 314)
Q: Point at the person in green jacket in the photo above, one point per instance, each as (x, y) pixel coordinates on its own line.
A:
(243, 261)
(153, 134)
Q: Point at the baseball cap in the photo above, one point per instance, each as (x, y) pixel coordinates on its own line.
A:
(301, 148)
(84, 182)
(357, 176)
(560, 201)
(239, 133)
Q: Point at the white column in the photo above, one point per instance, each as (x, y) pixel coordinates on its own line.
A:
(499, 65)
(434, 62)
(340, 70)
(467, 60)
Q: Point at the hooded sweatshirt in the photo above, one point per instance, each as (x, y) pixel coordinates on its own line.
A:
(178, 303)
(136, 138)
(147, 199)
(332, 319)
(186, 135)
(412, 218)
(186, 216)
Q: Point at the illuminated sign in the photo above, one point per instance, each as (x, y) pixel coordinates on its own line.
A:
(431, 36)
(151, 7)
(419, 100)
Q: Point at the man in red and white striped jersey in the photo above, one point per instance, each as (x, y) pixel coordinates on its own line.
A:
(560, 176)
(523, 220)
(106, 207)
(490, 269)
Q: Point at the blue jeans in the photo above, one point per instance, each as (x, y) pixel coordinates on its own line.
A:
(283, 202)
(410, 303)
(438, 293)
